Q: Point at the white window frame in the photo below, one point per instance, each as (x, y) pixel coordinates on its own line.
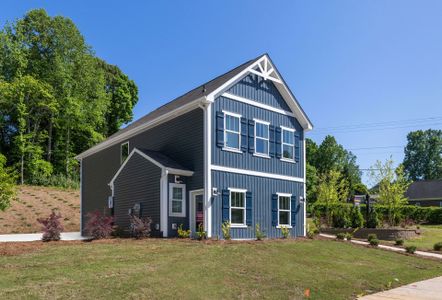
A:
(121, 152)
(292, 130)
(237, 150)
(289, 225)
(265, 155)
(237, 225)
(183, 200)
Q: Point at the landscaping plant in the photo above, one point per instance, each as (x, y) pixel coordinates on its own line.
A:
(437, 246)
(258, 233)
(356, 217)
(348, 236)
(183, 233)
(372, 236)
(340, 236)
(225, 228)
(98, 225)
(200, 233)
(52, 227)
(140, 227)
(285, 231)
(374, 242)
(399, 242)
(410, 249)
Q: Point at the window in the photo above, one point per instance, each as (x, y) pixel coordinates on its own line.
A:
(284, 209)
(288, 143)
(232, 131)
(124, 152)
(177, 200)
(262, 138)
(237, 207)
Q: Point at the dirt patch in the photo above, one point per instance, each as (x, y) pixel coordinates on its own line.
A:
(35, 202)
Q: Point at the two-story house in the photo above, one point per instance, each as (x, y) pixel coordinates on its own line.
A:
(231, 150)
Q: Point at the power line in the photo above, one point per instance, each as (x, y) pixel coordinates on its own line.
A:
(379, 147)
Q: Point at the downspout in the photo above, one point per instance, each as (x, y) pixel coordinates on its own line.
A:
(207, 107)
(305, 185)
(163, 202)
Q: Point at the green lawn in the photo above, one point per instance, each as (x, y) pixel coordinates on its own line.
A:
(157, 268)
(431, 234)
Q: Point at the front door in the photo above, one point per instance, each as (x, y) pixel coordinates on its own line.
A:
(197, 211)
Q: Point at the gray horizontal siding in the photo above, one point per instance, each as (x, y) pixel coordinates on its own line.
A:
(138, 182)
(262, 190)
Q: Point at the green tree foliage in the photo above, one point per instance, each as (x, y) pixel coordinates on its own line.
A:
(7, 184)
(57, 98)
(392, 187)
(423, 155)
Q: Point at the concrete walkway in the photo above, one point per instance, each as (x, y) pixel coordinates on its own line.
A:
(390, 248)
(30, 237)
(423, 290)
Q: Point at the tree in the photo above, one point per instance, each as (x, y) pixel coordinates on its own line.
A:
(392, 187)
(312, 183)
(423, 155)
(7, 186)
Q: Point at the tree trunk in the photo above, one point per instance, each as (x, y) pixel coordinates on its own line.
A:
(49, 154)
(22, 167)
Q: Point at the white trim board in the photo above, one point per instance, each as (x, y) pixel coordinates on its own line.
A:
(257, 104)
(256, 173)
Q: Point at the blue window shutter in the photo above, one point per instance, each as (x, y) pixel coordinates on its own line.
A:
(294, 210)
(297, 147)
(249, 212)
(278, 142)
(226, 205)
(272, 140)
(251, 136)
(274, 210)
(220, 129)
(244, 134)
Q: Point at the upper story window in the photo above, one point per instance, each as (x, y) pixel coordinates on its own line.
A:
(124, 152)
(284, 208)
(177, 200)
(288, 143)
(237, 207)
(262, 138)
(232, 131)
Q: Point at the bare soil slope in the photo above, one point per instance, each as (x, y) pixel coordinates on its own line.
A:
(35, 202)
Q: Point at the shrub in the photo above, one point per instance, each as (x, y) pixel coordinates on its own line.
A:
(357, 219)
(340, 236)
(437, 246)
(372, 236)
(258, 233)
(285, 231)
(373, 219)
(410, 249)
(140, 227)
(182, 233)
(399, 242)
(225, 228)
(200, 233)
(341, 217)
(52, 227)
(348, 236)
(98, 226)
(374, 242)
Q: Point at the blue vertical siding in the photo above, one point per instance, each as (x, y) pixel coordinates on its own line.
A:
(262, 190)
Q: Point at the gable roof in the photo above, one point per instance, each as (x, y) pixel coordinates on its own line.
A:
(157, 158)
(207, 90)
(425, 189)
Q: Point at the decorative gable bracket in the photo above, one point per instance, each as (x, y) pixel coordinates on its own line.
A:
(265, 69)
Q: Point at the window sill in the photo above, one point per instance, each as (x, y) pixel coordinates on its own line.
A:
(232, 150)
(261, 155)
(177, 215)
(287, 226)
(238, 226)
(288, 160)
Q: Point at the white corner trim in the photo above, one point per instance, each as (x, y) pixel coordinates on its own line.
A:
(304, 204)
(257, 104)
(256, 173)
(81, 196)
(163, 202)
(207, 168)
(183, 200)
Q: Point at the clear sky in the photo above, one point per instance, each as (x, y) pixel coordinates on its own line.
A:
(349, 63)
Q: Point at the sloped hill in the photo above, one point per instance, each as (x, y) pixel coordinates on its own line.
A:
(35, 202)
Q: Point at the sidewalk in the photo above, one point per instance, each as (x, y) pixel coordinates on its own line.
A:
(423, 290)
(30, 237)
(390, 248)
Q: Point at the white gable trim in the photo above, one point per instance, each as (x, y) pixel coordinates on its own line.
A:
(163, 168)
(268, 72)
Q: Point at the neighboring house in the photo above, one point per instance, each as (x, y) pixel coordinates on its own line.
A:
(425, 193)
(231, 149)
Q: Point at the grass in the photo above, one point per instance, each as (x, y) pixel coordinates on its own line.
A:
(431, 234)
(187, 269)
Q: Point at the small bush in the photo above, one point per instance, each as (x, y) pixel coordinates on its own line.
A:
(399, 242)
(258, 233)
(341, 218)
(98, 226)
(410, 249)
(373, 220)
(357, 219)
(140, 227)
(285, 231)
(372, 236)
(182, 233)
(340, 236)
(225, 228)
(200, 233)
(52, 227)
(437, 246)
(348, 236)
(374, 242)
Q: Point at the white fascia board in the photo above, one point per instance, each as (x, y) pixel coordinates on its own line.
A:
(143, 127)
(257, 173)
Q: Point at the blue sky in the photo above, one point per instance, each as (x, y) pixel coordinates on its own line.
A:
(370, 62)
